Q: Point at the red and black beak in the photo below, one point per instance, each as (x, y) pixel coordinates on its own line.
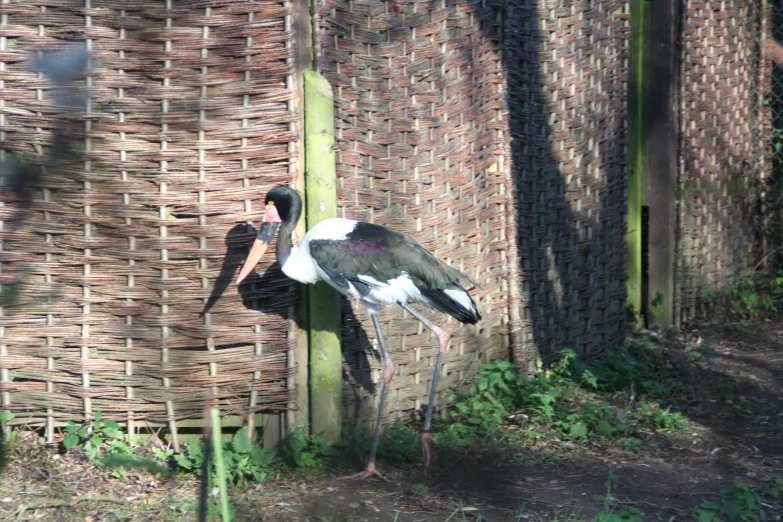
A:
(263, 240)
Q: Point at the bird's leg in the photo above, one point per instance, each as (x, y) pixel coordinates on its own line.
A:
(388, 373)
(443, 340)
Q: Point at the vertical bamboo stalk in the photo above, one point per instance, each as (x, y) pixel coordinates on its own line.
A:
(86, 292)
(217, 445)
(258, 348)
(324, 306)
(130, 280)
(164, 253)
(5, 376)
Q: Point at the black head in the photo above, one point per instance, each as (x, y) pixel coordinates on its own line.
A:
(287, 202)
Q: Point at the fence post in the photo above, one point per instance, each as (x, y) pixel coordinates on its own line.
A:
(661, 138)
(300, 415)
(326, 377)
(636, 158)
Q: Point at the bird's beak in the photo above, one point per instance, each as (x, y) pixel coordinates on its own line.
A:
(263, 240)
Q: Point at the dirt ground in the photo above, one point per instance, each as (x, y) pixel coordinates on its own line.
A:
(737, 440)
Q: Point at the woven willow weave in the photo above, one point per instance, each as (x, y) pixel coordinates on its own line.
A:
(567, 66)
(418, 88)
(721, 141)
(492, 132)
(423, 132)
(108, 270)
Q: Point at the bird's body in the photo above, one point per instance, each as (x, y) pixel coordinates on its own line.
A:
(374, 264)
(378, 265)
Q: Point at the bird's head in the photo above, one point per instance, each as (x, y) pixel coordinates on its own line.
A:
(283, 205)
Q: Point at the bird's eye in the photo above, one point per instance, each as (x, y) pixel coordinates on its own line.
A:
(270, 204)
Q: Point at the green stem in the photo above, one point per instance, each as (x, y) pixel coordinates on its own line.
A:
(221, 471)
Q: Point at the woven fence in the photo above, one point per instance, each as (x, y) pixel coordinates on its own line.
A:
(724, 128)
(120, 245)
(567, 66)
(492, 132)
(419, 119)
(772, 197)
(432, 98)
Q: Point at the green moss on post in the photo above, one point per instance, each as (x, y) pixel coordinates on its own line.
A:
(636, 158)
(326, 369)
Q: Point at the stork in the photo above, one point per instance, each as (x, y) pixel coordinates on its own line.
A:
(374, 264)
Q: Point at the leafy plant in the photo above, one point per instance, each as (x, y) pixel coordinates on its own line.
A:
(637, 369)
(696, 353)
(419, 489)
(299, 450)
(354, 444)
(608, 514)
(163, 454)
(773, 487)
(5, 416)
(740, 326)
(192, 458)
(492, 394)
(398, 444)
(754, 294)
(99, 437)
(660, 418)
(242, 458)
(737, 502)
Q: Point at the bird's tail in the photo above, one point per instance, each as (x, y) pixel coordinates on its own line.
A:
(454, 301)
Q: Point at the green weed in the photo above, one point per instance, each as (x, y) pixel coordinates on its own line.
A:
(242, 459)
(737, 502)
(300, 450)
(572, 399)
(754, 294)
(773, 487)
(491, 396)
(398, 444)
(419, 489)
(99, 438)
(608, 514)
(637, 370)
(740, 326)
(5, 416)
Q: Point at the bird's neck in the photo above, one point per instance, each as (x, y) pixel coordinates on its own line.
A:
(285, 241)
(285, 237)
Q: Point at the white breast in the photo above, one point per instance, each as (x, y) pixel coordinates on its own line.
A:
(300, 265)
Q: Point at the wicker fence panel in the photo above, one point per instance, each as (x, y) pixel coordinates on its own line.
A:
(419, 110)
(113, 269)
(722, 129)
(567, 66)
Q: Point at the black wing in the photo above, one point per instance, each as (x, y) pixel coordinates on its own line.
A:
(383, 254)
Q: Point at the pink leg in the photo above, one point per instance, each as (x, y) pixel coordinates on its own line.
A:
(443, 341)
(388, 373)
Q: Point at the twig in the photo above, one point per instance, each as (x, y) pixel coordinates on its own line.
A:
(765, 258)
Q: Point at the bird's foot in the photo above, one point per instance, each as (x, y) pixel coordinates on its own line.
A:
(368, 472)
(426, 451)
